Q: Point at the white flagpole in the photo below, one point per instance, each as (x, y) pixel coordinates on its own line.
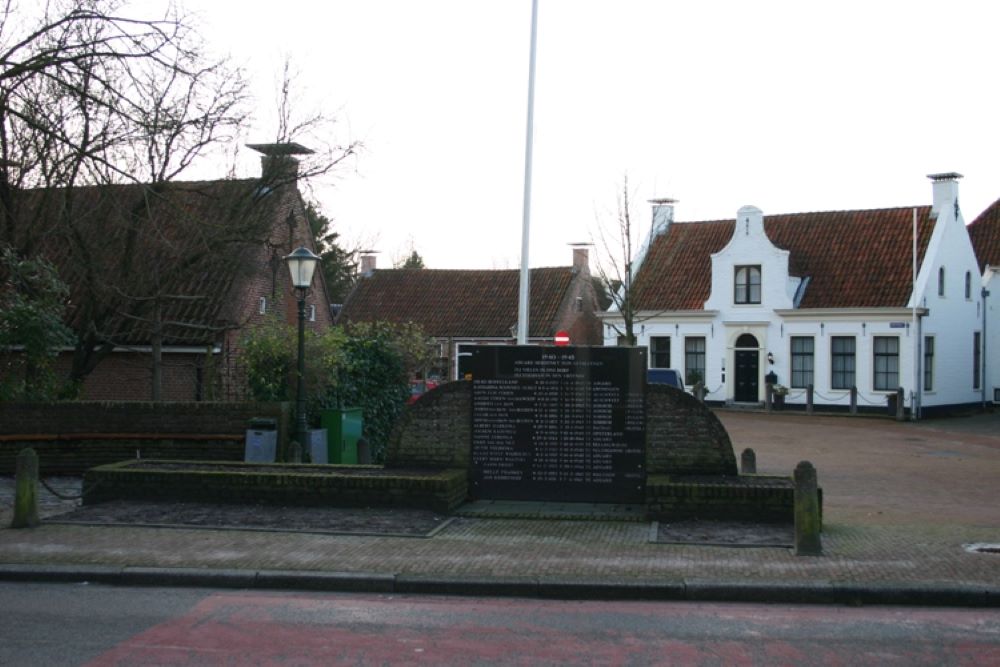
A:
(915, 402)
(525, 291)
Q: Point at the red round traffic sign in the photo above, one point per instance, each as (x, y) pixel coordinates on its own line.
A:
(562, 338)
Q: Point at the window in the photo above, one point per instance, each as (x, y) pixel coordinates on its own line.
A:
(747, 288)
(802, 361)
(659, 352)
(886, 358)
(262, 305)
(968, 285)
(694, 360)
(928, 363)
(941, 281)
(976, 360)
(842, 362)
(463, 361)
(312, 313)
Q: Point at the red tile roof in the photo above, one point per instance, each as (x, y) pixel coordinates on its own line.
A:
(985, 234)
(854, 259)
(458, 303)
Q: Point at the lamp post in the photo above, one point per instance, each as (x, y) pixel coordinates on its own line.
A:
(301, 264)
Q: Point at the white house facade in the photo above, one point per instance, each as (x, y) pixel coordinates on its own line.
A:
(825, 301)
(985, 233)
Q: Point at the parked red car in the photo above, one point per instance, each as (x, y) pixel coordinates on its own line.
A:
(419, 387)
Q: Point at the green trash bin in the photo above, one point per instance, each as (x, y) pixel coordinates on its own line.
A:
(343, 429)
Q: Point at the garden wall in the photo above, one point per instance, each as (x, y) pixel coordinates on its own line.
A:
(73, 436)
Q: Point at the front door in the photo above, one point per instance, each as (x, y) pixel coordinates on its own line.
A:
(747, 371)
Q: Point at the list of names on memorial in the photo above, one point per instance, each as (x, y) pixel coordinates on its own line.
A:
(552, 423)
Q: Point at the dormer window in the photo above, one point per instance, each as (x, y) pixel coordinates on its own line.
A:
(747, 284)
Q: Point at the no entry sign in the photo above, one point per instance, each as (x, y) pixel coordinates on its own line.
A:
(562, 338)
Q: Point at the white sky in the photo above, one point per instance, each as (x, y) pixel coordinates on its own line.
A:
(789, 106)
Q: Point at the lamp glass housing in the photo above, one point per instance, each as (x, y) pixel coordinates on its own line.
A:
(301, 265)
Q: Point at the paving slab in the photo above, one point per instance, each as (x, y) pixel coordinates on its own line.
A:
(899, 517)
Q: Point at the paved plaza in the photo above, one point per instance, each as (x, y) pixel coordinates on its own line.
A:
(903, 502)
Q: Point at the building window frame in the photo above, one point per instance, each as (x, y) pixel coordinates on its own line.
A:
(694, 359)
(941, 281)
(968, 285)
(885, 363)
(746, 284)
(803, 366)
(659, 352)
(843, 362)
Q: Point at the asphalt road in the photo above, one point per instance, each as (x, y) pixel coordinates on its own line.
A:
(61, 624)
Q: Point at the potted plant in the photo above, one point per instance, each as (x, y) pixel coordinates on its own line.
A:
(778, 393)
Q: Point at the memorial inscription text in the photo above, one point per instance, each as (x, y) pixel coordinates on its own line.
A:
(558, 423)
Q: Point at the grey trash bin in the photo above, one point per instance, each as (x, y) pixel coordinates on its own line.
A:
(262, 440)
(317, 445)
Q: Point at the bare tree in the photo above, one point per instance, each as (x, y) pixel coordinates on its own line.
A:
(620, 250)
(92, 99)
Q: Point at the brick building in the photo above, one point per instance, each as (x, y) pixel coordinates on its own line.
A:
(461, 308)
(180, 267)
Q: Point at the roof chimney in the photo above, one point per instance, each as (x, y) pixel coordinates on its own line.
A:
(663, 214)
(277, 163)
(945, 191)
(367, 262)
(581, 256)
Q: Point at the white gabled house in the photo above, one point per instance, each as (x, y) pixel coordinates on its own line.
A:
(985, 233)
(827, 299)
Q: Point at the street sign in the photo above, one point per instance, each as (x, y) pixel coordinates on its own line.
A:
(562, 338)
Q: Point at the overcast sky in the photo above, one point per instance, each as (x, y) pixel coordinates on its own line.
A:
(789, 106)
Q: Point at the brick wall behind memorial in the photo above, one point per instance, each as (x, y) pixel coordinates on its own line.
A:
(72, 436)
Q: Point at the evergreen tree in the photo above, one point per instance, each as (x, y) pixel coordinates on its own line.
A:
(339, 265)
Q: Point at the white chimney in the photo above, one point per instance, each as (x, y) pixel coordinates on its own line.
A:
(367, 262)
(945, 191)
(663, 214)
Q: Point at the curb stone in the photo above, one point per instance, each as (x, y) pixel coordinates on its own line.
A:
(348, 582)
(451, 585)
(691, 590)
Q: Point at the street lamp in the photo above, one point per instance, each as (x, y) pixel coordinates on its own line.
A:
(301, 265)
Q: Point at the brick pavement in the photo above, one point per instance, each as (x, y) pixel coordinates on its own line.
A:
(901, 501)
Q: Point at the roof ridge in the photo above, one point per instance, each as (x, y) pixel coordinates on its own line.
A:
(820, 212)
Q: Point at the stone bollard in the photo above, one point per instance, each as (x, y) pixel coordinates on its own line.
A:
(26, 490)
(748, 462)
(807, 519)
(768, 396)
(809, 399)
(294, 452)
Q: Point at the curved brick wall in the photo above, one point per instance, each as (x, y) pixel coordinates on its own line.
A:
(683, 437)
